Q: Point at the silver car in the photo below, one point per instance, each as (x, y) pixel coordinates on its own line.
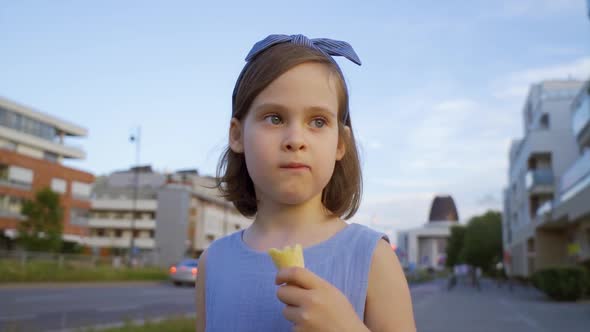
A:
(185, 272)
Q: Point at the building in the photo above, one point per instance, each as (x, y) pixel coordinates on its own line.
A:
(568, 218)
(32, 148)
(191, 215)
(538, 163)
(170, 215)
(425, 247)
(118, 210)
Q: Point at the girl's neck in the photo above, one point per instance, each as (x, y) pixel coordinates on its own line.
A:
(272, 216)
(279, 225)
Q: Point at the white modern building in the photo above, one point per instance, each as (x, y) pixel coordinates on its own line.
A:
(542, 169)
(119, 211)
(170, 216)
(425, 247)
(191, 215)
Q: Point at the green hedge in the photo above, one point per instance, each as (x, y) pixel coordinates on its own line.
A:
(40, 271)
(562, 283)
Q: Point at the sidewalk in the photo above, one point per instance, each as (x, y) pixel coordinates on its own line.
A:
(464, 308)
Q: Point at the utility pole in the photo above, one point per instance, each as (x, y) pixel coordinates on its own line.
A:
(134, 138)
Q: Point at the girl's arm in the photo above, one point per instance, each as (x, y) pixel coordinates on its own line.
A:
(389, 305)
(200, 293)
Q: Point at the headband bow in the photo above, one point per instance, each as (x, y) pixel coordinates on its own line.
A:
(327, 46)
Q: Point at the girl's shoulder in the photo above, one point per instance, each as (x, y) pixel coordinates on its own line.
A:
(368, 233)
(225, 241)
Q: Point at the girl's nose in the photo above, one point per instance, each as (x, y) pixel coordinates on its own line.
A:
(294, 140)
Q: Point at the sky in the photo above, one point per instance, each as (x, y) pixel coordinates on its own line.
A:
(434, 106)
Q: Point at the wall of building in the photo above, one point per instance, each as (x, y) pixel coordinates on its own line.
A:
(551, 248)
(43, 173)
(172, 224)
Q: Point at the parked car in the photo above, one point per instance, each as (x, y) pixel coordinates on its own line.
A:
(185, 272)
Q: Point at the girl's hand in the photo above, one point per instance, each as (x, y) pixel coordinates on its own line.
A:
(313, 304)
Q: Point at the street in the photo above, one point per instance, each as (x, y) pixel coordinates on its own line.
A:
(494, 309)
(436, 309)
(57, 308)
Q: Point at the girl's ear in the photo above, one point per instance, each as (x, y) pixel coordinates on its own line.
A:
(341, 150)
(236, 142)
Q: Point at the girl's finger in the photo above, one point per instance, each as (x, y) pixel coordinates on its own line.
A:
(298, 276)
(291, 295)
(295, 314)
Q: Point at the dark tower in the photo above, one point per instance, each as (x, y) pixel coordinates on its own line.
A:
(443, 209)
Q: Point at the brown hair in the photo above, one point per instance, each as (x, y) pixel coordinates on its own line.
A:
(342, 194)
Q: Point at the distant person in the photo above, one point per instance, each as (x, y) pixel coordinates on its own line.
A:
(477, 274)
(453, 278)
(292, 164)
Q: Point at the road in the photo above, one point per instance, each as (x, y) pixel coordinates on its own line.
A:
(435, 308)
(57, 308)
(465, 309)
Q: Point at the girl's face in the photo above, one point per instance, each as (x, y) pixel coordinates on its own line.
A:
(290, 135)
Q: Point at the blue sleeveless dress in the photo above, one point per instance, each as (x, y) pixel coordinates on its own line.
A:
(240, 293)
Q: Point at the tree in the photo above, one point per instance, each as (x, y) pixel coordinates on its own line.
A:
(455, 246)
(42, 230)
(482, 245)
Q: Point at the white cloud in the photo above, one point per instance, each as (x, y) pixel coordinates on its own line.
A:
(539, 8)
(455, 146)
(516, 85)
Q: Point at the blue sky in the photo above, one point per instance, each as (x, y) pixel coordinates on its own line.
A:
(435, 103)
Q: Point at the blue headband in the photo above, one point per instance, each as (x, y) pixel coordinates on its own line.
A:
(329, 47)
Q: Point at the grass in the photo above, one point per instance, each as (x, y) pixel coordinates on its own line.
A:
(43, 271)
(173, 324)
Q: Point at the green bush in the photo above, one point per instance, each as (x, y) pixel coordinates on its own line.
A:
(563, 283)
(43, 271)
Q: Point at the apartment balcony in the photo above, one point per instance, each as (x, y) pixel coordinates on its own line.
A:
(140, 224)
(119, 242)
(58, 148)
(125, 204)
(540, 181)
(581, 119)
(576, 178)
(543, 213)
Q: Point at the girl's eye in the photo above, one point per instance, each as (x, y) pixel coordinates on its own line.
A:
(318, 123)
(273, 119)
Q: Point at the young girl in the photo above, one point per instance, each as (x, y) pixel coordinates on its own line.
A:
(292, 164)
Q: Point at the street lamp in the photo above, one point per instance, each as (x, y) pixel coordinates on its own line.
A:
(134, 138)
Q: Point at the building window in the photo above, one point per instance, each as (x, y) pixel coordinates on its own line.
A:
(27, 125)
(59, 185)
(8, 145)
(544, 121)
(50, 156)
(118, 233)
(100, 232)
(152, 233)
(10, 205)
(81, 190)
(15, 176)
(79, 216)
(441, 245)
